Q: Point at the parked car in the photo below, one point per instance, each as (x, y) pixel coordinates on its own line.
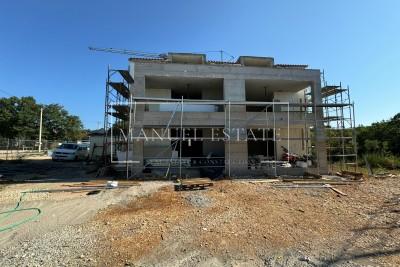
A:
(71, 152)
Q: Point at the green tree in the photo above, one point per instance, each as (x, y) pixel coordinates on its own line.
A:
(19, 118)
(59, 125)
(8, 113)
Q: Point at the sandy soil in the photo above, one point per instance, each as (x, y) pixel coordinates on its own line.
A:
(245, 224)
(60, 209)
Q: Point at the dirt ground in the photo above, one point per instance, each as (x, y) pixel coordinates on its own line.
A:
(253, 224)
(233, 223)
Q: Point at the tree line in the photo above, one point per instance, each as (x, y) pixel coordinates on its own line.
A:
(379, 143)
(20, 119)
(380, 137)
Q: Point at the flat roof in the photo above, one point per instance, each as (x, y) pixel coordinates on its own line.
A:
(194, 58)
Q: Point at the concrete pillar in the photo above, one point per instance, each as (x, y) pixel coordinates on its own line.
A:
(236, 154)
(320, 138)
(138, 89)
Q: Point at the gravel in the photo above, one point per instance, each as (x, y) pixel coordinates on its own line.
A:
(198, 200)
(69, 246)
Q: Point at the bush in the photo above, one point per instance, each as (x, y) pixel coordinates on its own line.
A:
(382, 161)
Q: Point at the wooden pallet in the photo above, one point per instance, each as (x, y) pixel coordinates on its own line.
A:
(193, 184)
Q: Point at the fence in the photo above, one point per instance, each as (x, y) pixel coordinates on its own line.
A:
(11, 149)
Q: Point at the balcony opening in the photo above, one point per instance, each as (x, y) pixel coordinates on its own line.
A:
(273, 90)
(260, 148)
(188, 88)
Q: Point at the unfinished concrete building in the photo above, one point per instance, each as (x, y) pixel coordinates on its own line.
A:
(181, 114)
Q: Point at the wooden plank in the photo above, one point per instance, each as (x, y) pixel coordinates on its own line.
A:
(326, 182)
(312, 175)
(355, 174)
(197, 181)
(299, 179)
(337, 190)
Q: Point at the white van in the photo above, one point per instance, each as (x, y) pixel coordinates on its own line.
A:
(68, 151)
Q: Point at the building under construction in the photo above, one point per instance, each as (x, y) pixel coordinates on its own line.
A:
(182, 115)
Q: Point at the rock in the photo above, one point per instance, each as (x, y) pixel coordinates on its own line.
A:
(304, 258)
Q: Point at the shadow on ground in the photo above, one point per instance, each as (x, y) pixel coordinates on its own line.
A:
(377, 239)
(44, 171)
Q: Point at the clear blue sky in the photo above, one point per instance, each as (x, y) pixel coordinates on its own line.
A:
(43, 44)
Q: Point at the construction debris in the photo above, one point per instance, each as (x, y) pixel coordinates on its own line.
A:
(323, 183)
(326, 182)
(385, 175)
(78, 189)
(336, 190)
(191, 184)
(262, 181)
(85, 186)
(311, 175)
(306, 186)
(351, 175)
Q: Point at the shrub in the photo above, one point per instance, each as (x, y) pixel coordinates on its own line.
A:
(382, 161)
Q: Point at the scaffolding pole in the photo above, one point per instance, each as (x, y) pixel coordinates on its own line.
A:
(288, 132)
(180, 143)
(229, 140)
(274, 132)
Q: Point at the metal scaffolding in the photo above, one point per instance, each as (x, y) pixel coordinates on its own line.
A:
(117, 93)
(121, 120)
(340, 126)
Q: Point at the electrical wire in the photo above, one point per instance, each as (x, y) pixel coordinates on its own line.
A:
(5, 92)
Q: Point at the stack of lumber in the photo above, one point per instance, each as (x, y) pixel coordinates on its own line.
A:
(196, 183)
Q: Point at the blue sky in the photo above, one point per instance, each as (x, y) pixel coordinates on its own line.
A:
(43, 44)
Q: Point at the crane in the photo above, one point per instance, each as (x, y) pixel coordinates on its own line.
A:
(154, 55)
(128, 52)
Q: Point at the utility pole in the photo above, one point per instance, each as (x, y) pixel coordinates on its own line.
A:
(40, 130)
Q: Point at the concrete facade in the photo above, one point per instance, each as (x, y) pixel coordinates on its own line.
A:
(191, 76)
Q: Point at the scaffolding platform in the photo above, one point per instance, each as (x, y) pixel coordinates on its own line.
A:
(126, 75)
(329, 90)
(121, 88)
